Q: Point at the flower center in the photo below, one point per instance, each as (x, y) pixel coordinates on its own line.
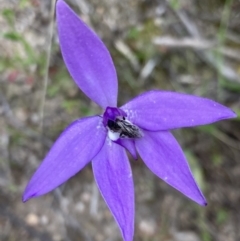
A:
(115, 120)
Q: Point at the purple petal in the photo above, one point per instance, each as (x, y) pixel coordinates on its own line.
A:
(86, 57)
(113, 175)
(164, 157)
(160, 110)
(75, 147)
(129, 145)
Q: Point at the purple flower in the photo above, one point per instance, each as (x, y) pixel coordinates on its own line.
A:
(142, 125)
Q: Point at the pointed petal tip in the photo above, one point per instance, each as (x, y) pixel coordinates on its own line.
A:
(233, 114)
(200, 200)
(228, 113)
(198, 197)
(203, 202)
(27, 197)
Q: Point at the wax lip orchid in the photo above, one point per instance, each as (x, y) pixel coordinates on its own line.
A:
(140, 126)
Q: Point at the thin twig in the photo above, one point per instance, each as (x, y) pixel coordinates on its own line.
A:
(46, 76)
(147, 70)
(194, 43)
(127, 53)
(197, 44)
(206, 56)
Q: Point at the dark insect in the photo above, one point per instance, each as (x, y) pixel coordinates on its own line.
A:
(124, 127)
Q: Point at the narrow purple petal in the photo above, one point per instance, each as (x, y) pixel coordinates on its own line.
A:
(164, 157)
(160, 110)
(129, 145)
(86, 57)
(75, 147)
(113, 175)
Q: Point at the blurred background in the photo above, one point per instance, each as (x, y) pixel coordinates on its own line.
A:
(190, 46)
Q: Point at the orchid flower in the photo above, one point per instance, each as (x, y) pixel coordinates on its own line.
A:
(140, 126)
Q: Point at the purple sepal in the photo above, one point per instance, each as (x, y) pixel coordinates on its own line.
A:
(113, 176)
(86, 57)
(164, 157)
(162, 110)
(75, 147)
